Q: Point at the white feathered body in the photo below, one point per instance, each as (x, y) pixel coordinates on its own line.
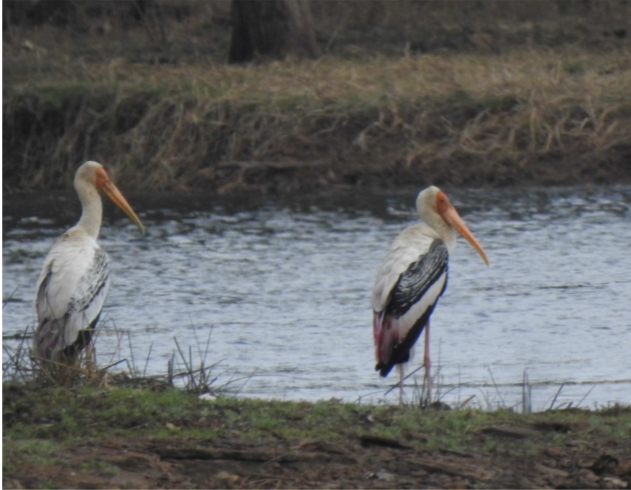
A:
(403, 268)
(71, 290)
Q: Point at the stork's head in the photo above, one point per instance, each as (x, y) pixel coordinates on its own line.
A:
(94, 175)
(433, 204)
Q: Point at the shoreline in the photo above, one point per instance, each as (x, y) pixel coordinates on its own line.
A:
(403, 95)
(79, 437)
(450, 120)
(467, 95)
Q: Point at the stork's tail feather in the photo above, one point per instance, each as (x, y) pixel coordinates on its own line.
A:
(47, 340)
(83, 339)
(51, 343)
(398, 356)
(390, 349)
(386, 340)
(384, 369)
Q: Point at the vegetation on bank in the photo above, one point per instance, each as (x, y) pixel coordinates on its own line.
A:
(510, 104)
(94, 429)
(46, 429)
(84, 412)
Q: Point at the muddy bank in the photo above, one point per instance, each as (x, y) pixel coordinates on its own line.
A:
(359, 463)
(103, 438)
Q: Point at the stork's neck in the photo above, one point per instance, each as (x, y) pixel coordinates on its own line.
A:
(445, 232)
(92, 209)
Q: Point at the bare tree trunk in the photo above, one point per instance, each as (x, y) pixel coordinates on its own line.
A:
(271, 28)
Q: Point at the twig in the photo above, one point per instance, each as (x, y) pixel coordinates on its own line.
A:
(555, 396)
(119, 337)
(396, 385)
(496, 388)
(586, 395)
(8, 300)
(131, 353)
(113, 364)
(464, 403)
(144, 371)
(526, 394)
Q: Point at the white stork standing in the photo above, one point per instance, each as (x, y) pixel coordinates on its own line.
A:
(75, 279)
(411, 279)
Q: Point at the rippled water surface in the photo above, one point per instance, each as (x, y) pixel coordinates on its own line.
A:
(283, 286)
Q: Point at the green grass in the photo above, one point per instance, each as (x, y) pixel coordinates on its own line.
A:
(99, 467)
(55, 414)
(38, 451)
(47, 429)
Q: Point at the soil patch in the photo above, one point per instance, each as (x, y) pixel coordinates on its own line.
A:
(229, 443)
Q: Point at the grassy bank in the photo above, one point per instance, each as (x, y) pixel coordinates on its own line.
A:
(99, 437)
(519, 106)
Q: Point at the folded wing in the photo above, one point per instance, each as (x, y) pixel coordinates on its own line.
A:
(409, 305)
(70, 295)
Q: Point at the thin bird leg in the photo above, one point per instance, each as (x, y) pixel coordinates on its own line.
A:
(401, 372)
(89, 360)
(428, 366)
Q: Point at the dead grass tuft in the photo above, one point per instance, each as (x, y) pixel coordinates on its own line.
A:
(188, 369)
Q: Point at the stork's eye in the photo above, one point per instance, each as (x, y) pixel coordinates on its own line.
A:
(442, 202)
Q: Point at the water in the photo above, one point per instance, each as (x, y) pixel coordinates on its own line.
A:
(283, 287)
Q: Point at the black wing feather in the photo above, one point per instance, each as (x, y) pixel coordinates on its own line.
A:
(418, 278)
(100, 270)
(411, 286)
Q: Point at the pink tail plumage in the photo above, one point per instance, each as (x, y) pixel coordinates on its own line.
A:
(386, 337)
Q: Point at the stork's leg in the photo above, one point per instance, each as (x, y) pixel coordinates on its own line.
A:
(401, 370)
(428, 366)
(89, 359)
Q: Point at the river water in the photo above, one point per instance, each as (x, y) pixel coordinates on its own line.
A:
(282, 286)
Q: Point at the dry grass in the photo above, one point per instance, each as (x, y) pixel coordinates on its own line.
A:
(334, 83)
(477, 115)
(188, 368)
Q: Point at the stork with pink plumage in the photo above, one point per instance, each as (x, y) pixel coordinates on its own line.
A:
(410, 281)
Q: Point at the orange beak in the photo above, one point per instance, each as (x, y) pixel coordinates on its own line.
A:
(104, 183)
(453, 219)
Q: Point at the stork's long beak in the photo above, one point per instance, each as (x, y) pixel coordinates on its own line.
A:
(111, 191)
(451, 216)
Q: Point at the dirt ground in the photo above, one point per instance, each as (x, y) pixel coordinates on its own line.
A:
(120, 439)
(356, 463)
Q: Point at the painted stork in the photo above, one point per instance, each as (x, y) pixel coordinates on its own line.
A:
(75, 278)
(410, 281)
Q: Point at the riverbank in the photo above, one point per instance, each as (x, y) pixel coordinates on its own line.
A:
(126, 438)
(482, 113)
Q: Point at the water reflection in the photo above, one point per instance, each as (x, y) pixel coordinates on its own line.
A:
(284, 285)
